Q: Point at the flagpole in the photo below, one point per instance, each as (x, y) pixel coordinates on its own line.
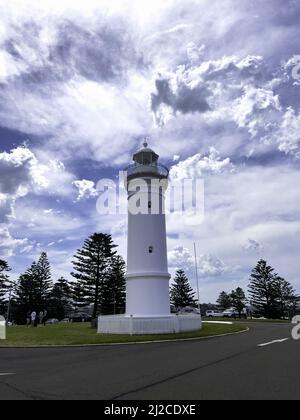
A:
(13, 284)
(197, 277)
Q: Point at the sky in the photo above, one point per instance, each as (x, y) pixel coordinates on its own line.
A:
(214, 85)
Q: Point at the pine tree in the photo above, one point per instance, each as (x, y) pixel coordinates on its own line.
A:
(34, 288)
(27, 293)
(4, 285)
(181, 293)
(92, 265)
(114, 289)
(78, 297)
(238, 300)
(262, 289)
(60, 298)
(224, 301)
(44, 280)
(286, 296)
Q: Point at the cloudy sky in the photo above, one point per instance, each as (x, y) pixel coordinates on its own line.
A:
(213, 83)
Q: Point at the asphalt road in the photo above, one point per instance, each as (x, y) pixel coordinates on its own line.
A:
(234, 367)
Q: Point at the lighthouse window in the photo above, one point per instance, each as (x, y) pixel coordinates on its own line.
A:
(149, 205)
(151, 249)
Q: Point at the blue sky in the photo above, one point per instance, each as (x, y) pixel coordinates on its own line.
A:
(212, 83)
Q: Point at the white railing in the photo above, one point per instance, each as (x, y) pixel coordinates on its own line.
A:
(130, 325)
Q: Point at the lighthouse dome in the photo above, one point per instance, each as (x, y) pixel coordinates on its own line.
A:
(146, 165)
(145, 156)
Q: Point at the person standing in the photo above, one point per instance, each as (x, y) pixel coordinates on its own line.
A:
(45, 317)
(28, 319)
(33, 319)
(41, 317)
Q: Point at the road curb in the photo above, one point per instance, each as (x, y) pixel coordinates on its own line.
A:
(134, 343)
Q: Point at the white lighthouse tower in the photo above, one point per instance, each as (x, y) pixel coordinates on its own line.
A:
(147, 263)
(147, 279)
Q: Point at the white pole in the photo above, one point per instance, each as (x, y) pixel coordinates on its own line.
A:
(197, 277)
(9, 300)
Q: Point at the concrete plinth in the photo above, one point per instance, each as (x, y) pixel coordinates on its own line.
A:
(130, 325)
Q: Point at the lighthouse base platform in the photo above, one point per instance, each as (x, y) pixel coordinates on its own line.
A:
(134, 325)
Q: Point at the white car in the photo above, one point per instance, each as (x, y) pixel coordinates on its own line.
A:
(52, 321)
(214, 314)
(231, 313)
(65, 321)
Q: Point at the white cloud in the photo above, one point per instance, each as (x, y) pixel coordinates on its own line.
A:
(232, 92)
(253, 245)
(77, 68)
(8, 244)
(27, 249)
(257, 110)
(198, 166)
(31, 220)
(77, 117)
(22, 173)
(211, 266)
(194, 52)
(8, 67)
(71, 73)
(119, 229)
(288, 136)
(86, 189)
(291, 68)
(180, 258)
(205, 87)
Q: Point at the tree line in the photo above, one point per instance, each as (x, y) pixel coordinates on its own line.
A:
(270, 295)
(98, 282)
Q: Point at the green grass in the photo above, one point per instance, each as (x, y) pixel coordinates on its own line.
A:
(83, 334)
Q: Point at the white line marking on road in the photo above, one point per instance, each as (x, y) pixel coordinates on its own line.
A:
(218, 322)
(6, 374)
(273, 342)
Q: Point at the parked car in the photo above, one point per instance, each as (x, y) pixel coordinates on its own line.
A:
(65, 321)
(214, 314)
(189, 310)
(52, 321)
(80, 317)
(173, 309)
(231, 313)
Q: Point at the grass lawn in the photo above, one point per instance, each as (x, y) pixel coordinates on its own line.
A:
(81, 334)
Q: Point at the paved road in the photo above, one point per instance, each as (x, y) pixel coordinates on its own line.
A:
(233, 367)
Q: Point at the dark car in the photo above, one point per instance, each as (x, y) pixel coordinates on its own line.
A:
(80, 317)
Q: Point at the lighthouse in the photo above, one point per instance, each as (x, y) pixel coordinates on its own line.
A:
(147, 278)
(147, 293)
